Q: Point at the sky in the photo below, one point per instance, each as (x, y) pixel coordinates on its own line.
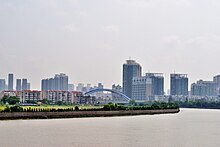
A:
(89, 40)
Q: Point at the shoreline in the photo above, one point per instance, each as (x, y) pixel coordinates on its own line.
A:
(205, 108)
(80, 114)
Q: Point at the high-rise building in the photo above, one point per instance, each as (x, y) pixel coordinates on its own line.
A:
(24, 84)
(157, 83)
(203, 88)
(148, 86)
(51, 84)
(28, 86)
(63, 81)
(59, 82)
(216, 79)
(178, 84)
(131, 69)
(10, 81)
(2, 85)
(18, 85)
(44, 85)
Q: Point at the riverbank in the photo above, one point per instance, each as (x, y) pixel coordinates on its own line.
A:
(77, 114)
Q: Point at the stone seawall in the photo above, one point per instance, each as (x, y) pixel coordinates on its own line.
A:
(74, 114)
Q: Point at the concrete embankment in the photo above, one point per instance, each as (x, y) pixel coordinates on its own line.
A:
(74, 114)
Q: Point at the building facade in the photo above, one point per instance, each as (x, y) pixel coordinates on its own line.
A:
(24, 84)
(55, 96)
(216, 79)
(203, 88)
(10, 81)
(178, 85)
(117, 88)
(70, 87)
(31, 96)
(18, 85)
(148, 86)
(131, 69)
(59, 82)
(2, 85)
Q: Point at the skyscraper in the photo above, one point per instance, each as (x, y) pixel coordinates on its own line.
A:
(131, 69)
(178, 84)
(2, 85)
(28, 86)
(24, 84)
(148, 86)
(157, 83)
(59, 82)
(10, 81)
(18, 85)
(203, 88)
(63, 81)
(216, 79)
(44, 84)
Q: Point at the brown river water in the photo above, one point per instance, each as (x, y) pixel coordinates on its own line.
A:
(189, 128)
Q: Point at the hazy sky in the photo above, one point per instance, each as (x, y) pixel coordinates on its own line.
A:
(89, 40)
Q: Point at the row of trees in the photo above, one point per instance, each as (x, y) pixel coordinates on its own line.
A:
(17, 108)
(154, 106)
(107, 107)
(11, 100)
(199, 104)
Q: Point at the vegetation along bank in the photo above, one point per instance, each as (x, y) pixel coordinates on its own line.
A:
(18, 112)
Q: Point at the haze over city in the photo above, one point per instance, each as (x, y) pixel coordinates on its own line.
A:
(90, 40)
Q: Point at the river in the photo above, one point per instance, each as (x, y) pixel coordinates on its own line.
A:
(189, 128)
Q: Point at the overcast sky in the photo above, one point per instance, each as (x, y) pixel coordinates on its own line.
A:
(89, 40)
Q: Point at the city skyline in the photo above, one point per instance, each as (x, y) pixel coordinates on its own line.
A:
(88, 40)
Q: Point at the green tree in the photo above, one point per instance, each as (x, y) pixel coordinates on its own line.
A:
(59, 103)
(132, 102)
(12, 100)
(45, 101)
(76, 108)
(16, 109)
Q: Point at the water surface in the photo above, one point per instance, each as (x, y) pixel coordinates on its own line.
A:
(189, 128)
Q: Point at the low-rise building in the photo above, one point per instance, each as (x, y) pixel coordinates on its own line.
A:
(30, 96)
(65, 96)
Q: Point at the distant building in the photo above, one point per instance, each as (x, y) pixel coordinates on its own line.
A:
(216, 79)
(178, 84)
(79, 87)
(10, 93)
(88, 87)
(203, 88)
(24, 84)
(2, 85)
(10, 81)
(131, 69)
(88, 100)
(148, 86)
(44, 85)
(31, 96)
(28, 86)
(116, 88)
(70, 87)
(59, 82)
(18, 85)
(65, 96)
(157, 83)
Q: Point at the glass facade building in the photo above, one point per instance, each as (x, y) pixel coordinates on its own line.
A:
(131, 69)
